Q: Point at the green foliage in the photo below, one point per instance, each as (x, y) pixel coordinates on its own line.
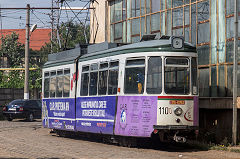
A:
(15, 51)
(37, 58)
(12, 49)
(12, 80)
(35, 77)
(70, 34)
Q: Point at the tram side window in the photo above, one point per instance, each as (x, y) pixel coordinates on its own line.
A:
(66, 86)
(103, 74)
(176, 76)
(93, 79)
(46, 84)
(134, 76)
(59, 83)
(84, 81)
(113, 78)
(53, 84)
(154, 75)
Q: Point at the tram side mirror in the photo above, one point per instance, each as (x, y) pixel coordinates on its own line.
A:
(195, 90)
(177, 42)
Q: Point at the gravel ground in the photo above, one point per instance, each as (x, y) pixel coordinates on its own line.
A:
(21, 139)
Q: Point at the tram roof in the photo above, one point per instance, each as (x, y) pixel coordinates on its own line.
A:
(161, 45)
(64, 57)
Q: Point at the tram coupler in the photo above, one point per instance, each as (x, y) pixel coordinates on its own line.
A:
(179, 138)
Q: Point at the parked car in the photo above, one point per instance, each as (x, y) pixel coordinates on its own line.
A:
(22, 108)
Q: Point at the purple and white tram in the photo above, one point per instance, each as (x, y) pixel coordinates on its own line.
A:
(134, 90)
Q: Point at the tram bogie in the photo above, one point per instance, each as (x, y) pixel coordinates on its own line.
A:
(133, 91)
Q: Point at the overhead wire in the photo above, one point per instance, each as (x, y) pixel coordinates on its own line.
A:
(76, 16)
(38, 18)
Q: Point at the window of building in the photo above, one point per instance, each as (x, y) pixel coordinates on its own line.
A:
(136, 26)
(154, 75)
(203, 33)
(203, 11)
(155, 19)
(177, 3)
(118, 10)
(134, 76)
(155, 6)
(177, 17)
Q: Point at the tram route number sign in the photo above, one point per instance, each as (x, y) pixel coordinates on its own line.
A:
(177, 102)
(165, 110)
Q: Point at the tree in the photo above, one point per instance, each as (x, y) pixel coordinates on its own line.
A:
(12, 49)
(70, 34)
(15, 51)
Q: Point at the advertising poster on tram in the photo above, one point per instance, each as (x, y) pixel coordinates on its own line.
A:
(136, 115)
(59, 114)
(95, 114)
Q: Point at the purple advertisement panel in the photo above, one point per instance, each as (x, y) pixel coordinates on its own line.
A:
(59, 113)
(136, 116)
(196, 111)
(95, 114)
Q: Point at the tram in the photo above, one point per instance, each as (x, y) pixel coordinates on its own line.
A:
(136, 90)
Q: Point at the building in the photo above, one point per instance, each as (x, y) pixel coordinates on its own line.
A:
(38, 38)
(207, 24)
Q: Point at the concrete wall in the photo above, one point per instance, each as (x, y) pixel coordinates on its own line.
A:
(98, 22)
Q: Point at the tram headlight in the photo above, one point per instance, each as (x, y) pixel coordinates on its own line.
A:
(178, 111)
(177, 42)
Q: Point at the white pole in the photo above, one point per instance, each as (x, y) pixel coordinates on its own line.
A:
(26, 87)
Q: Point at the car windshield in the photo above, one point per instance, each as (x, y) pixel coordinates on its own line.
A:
(20, 103)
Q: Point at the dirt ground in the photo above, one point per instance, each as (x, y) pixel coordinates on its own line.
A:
(21, 139)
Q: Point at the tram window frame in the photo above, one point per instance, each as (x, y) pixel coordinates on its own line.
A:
(46, 92)
(103, 81)
(175, 89)
(113, 75)
(194, 78)
(60, 83)
(93, 80)
(84, 86)
(132, 67)
(52, 84)
(154, 78)
(66, 82)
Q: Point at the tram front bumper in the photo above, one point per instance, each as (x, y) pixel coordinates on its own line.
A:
(174, 127)
(179, 133)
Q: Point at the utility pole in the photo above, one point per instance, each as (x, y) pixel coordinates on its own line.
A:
(52, 25)
(26, 84)
(235, 65)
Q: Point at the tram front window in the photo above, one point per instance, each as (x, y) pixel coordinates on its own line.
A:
(177, 79)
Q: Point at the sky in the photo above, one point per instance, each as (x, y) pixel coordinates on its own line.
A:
(16, 19)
